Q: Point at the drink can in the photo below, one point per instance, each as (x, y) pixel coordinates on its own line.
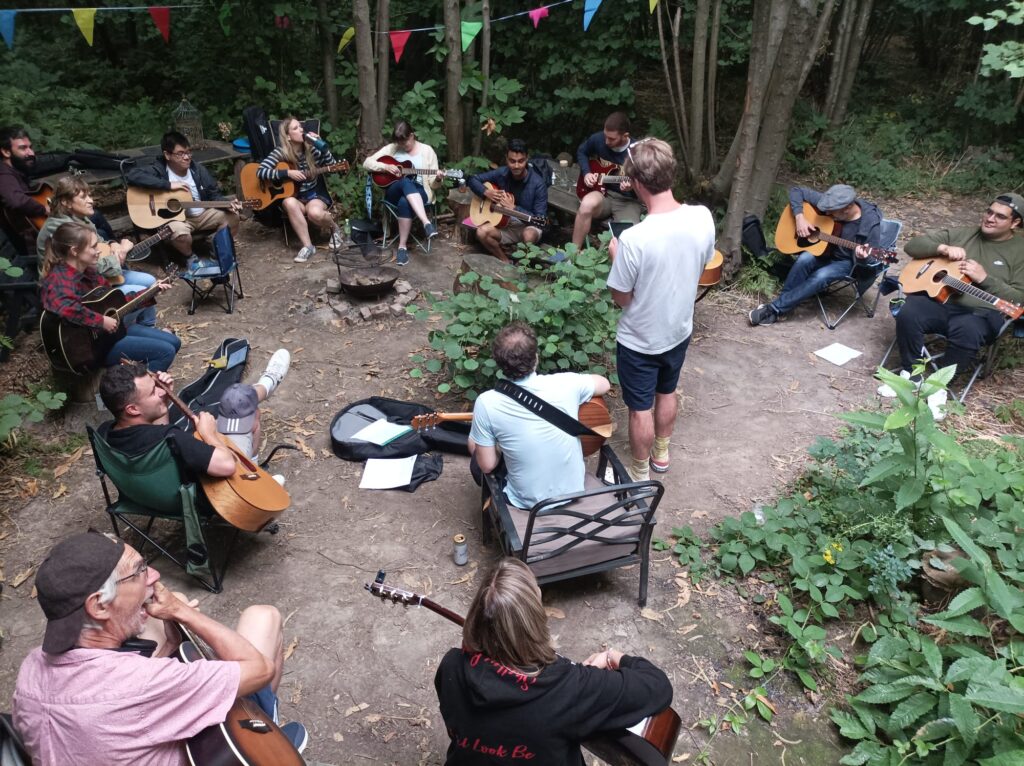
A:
(460, 551)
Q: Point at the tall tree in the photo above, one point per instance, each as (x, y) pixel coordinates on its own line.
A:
(383, 62)
(327, 52)
(369, 121)
(485, 72)
(851, 32)
(453, 122)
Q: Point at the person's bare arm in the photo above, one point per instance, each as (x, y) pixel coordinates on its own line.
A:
(256, 670)
(222, 462)
(622, 300)
(601, 384)
(486, 457)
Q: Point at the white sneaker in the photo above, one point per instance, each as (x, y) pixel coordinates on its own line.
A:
(937, 404)
(885, 390)
(279, 478)
(336, 240)
(277, 368)
(305, 254)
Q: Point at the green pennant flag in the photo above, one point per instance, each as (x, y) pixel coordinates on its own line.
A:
(470, 29)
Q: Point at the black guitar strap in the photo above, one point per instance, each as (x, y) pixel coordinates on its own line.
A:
(538, 406)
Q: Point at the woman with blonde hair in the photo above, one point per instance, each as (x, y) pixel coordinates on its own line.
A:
(507, 694)
(68, 273)
(302, 152)
(72, 203)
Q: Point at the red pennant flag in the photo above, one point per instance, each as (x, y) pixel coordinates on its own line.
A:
(537, 14)
(161, 16)
(398, 41)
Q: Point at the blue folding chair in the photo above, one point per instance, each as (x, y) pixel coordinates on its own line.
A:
(220, 271)
(860, 279)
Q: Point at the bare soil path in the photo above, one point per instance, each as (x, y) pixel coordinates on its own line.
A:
(359, 673)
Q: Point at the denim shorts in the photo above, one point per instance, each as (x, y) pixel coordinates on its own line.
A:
(317, 192)
(643, 375)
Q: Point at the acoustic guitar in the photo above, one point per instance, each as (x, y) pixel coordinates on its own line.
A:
(712, 273)
(593, 414)
(934, 277)
(269, 192)
(787, 240)
(77, 348)
(249, 498)
(384, 179)
(247, 737)
(649, 743)
(151, 208)
(41, 194)
(608, 173)
(138, 252)
(482, 210)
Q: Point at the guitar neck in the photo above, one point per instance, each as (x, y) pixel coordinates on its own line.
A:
(144, 246)
(338, 167)
(458, 417)
(837, 240)
(220, 204)
(139, 298)
(1011, 310)
(513, 213)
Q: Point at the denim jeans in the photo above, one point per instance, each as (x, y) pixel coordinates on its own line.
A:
(136, 282)
(157, 348)
(399, 190)
(809, 276)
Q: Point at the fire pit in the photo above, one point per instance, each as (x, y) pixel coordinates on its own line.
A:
(368, 282)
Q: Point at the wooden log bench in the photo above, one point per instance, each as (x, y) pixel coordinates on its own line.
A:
(19, 295)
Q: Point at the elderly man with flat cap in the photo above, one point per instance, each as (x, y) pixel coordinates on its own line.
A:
(991, 256)
(860, 221)
(105, 688)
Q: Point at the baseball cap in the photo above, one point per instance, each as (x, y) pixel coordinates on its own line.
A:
(74, 569)
(1013, 201)
(836, 198)
(237, 409)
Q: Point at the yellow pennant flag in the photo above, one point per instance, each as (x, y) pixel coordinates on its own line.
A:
(346, 38)
(86, 20)
(654, 4)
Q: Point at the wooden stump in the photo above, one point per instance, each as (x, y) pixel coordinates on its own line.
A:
(504, 274)
(459, 201)
(81, 389)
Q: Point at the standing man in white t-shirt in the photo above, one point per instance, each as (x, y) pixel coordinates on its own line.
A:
(176, 171)
(655, 269)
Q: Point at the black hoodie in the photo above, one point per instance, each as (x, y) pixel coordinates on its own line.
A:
(496, 715)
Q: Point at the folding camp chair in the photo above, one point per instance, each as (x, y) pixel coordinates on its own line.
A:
(389, 222)
(151, 486)
(222, 271)
(607, 525)
(860, 279)
(12, 749)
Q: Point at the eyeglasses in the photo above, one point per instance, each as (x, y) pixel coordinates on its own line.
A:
(142, 570)
(629, 152)
(182, 155)
(990, 213)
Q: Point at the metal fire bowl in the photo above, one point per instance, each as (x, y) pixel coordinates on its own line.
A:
(368, 282)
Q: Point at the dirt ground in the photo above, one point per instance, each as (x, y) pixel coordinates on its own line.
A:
(359, 673)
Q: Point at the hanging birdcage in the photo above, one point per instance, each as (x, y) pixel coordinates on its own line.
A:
(189, 122)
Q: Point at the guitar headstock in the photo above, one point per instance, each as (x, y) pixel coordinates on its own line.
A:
(887, 254)
(423, 422)
(455, 175)
(387, 593)
(1012, 310)
(539, 220)
(340, 167)
(253, 204)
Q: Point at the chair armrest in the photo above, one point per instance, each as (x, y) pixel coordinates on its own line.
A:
(500, 509)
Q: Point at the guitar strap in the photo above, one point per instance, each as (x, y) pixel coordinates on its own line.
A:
(538, 406)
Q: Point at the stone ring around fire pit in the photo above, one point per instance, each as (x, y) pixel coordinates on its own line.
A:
(368, 282)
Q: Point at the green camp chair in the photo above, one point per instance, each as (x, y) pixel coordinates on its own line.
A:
(151, 486)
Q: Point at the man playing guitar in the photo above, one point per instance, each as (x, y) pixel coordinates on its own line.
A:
(990, 256)
(16, 160)
(109, 645)
(542, 460)
(517, 184)
(505, 695)
(620, 203)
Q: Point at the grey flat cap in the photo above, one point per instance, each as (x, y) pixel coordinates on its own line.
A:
(836, 198)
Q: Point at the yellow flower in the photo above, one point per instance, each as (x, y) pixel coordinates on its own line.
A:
(829, 558)
(838, 547)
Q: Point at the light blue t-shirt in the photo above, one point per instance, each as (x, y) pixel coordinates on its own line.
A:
(543, 461)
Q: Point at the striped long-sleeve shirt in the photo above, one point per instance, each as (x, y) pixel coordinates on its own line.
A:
(268, 168)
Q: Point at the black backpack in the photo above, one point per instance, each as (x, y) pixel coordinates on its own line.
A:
(257, 128)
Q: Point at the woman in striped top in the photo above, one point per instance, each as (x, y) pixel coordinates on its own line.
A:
(302, 152)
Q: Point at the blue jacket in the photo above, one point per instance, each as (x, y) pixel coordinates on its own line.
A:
(154, 176)
(532, 198)
(595, 146)
(867, 230)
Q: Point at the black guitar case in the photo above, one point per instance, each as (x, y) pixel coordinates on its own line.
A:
(226, 366)
(448, 437)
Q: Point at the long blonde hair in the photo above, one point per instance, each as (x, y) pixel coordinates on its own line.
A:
(288, 153)
(506, 620)
(67, 237)
(64, 194)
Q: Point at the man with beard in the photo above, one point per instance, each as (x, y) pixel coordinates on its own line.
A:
(16, 161)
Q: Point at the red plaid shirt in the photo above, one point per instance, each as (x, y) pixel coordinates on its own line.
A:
(62, 291)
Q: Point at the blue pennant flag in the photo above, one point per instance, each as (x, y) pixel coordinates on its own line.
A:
(589, 9)
(7, 27)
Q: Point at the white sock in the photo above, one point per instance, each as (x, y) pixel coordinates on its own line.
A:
(268, 383)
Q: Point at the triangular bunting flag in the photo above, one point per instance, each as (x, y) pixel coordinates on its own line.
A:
(224, 18)
(86, 19)
(346, 38)
(470, 29)
(398, 41)
(7, 27)
(537, 14)
(161, 16)
(654, 4)
(589, 9)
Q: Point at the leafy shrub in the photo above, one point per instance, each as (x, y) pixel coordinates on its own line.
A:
(567, 304)
(16, 410)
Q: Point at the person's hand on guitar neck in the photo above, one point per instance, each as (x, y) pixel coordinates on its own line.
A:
(863, 252)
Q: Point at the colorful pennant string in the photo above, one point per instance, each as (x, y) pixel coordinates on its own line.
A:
(398, 41)
(86, 20)
(589, 9)
(537, 14)
(161, 16)
(7, 27)
(470, 29)
(346, 38)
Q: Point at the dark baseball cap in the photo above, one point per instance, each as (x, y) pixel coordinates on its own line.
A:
(1013, 201)
(74, 570)
(237, 409)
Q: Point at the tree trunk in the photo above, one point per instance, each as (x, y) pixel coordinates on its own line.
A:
(844, 31)
(670, 88)
(369, 122)
(328, 51)
(698, 74)
(383, 60)
(819, 36)
(851, 63)
(485, 73)
(453, 127)
(712, 91)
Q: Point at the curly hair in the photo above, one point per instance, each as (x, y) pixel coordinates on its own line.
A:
(515, 350)
(117, 386)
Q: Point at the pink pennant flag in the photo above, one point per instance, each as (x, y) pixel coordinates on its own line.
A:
(161, 16)
(398, 41)
(537, 14)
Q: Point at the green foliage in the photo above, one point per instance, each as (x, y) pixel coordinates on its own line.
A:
(687, 546)
(16, 410)
(567, 304)
(876, 503)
